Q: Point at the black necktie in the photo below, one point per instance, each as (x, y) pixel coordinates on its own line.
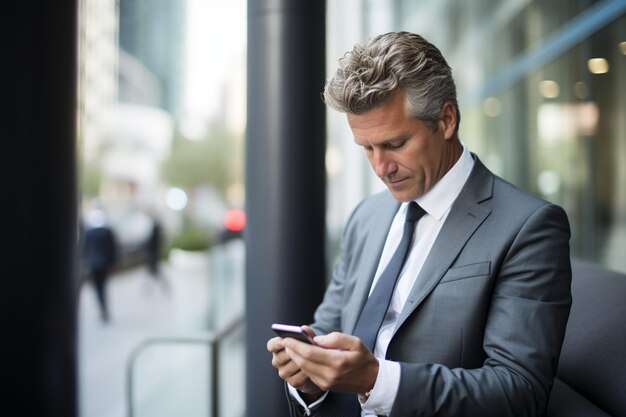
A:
(377, 304)
(342, 404)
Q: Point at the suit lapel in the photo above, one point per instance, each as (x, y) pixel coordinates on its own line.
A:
(465, 216)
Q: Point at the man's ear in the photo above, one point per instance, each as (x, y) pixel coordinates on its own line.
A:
(448, 120)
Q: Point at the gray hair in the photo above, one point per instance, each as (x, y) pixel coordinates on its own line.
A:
(398, 61)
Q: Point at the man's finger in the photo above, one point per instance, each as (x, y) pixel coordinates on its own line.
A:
(336, 340)
(275, 344)
(287, 370)
(311, 358)
(309, 331)
(280, 359)
(296, 379)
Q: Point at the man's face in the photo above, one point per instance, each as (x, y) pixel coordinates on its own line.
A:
(405, 152)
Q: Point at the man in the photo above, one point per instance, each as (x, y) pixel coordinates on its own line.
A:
(476, 318)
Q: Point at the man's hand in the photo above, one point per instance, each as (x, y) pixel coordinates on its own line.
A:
(289, 371)
(339, 362)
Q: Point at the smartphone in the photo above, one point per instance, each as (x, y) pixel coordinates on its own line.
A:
(286, 330)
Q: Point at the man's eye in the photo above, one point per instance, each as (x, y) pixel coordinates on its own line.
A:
(395, 145)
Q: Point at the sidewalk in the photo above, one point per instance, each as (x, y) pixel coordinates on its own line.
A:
(171, 380)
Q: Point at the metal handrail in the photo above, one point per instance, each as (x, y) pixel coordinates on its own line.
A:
(211, 339)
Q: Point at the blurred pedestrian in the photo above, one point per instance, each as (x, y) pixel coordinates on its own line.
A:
(100, 254)
(154, 246)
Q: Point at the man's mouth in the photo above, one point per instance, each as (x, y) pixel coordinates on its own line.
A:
(396, 182)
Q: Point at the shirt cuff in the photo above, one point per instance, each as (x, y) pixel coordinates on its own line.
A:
(308, 409)
(383, 395)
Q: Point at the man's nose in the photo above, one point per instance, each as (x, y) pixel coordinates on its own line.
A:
(381, 162)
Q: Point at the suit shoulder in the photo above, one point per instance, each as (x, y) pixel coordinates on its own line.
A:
(507, 191)
(493, 191)
(374, 204)
(372, 210)
(516, 202)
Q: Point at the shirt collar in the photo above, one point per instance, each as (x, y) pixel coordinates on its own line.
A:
(439, 199)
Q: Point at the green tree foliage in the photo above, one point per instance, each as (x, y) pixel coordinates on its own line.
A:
(192, 238)
(209, 161)
(90, 178)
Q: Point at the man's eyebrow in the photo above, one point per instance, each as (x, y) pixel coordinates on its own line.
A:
(399, 138)
(403, 137)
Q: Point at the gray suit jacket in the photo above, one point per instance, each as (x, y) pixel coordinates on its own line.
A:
(481, 332)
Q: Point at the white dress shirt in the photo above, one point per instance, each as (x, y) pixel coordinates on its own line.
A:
(437, 203)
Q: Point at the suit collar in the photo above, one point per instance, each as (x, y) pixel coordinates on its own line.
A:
(479, 186)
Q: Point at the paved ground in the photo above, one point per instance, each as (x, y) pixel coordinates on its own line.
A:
(170, 380)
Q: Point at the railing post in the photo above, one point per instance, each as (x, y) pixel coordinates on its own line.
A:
(214, 408)
(212, 340)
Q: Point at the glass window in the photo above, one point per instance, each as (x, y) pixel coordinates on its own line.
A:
(556, 127)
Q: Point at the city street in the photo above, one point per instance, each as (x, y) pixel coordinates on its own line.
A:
(170, 380)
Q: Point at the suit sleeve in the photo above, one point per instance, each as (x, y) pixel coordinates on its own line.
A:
(523, 334)
(328, 318)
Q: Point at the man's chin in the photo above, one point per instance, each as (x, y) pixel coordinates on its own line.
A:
(403, 197)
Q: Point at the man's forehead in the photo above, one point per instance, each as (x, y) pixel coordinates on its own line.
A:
(380, 129)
